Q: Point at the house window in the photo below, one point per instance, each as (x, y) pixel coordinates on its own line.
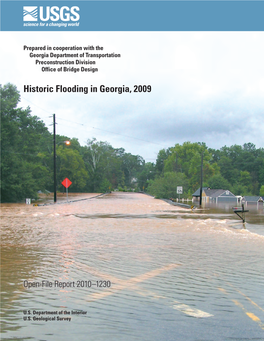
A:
(227, 192)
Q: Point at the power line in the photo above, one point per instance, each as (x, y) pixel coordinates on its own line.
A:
(136, 138)
(35, 105)
(108, 131)
(63, 119)
(111, 132)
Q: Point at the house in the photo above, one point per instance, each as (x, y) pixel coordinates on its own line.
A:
(255, 200)
(215, 195)
(196, 195)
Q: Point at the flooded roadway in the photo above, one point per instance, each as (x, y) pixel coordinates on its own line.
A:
(125, 266)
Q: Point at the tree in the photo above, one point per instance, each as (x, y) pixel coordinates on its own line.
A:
(71, 165)
(165, 185)
(218, 182)
(22, 171)
(147, 173)
(131, 166)
(104, 165)
(94, 159)
(187, 159)
(261, 192)
(236, 159)
(245, 178)
(162, 156)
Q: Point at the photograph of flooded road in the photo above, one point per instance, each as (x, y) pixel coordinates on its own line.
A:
(126, 266)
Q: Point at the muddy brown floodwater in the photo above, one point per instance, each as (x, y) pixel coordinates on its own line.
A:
(126, 266)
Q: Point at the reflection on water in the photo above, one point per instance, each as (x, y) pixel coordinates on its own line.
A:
(175, 274)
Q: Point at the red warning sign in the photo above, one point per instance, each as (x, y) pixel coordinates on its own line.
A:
(66, 183)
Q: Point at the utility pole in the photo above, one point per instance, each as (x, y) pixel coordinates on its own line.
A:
(54, 155)
(201, 184)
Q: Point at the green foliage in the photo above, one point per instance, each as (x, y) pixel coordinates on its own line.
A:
(245, 178)
(261, 191)
(105, 186)
(218, 182)
(165, 186)
(239, 189)
(237, 168)
(131, 165)
(162, 156)
(187, 159)
(71, 165)
(27, 163)
(242, 166)
(147, 173)
(22, 172)
(104, 162)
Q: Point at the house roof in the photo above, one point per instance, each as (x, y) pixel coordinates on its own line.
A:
(213, 193)
(252, 198)
(197, 193)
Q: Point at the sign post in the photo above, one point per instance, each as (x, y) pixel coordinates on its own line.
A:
(66, 183)
(179, 191)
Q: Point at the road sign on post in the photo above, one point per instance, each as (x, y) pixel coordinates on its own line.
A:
(66, 183)
(179, 191)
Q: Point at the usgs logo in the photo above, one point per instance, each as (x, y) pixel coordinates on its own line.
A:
(54, 13)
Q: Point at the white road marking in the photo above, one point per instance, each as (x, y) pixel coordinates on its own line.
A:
(132, 284)
(184, 308)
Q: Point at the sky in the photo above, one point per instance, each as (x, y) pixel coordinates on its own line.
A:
(205, 87)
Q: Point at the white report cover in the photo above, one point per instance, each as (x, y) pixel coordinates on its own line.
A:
(140, 76)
